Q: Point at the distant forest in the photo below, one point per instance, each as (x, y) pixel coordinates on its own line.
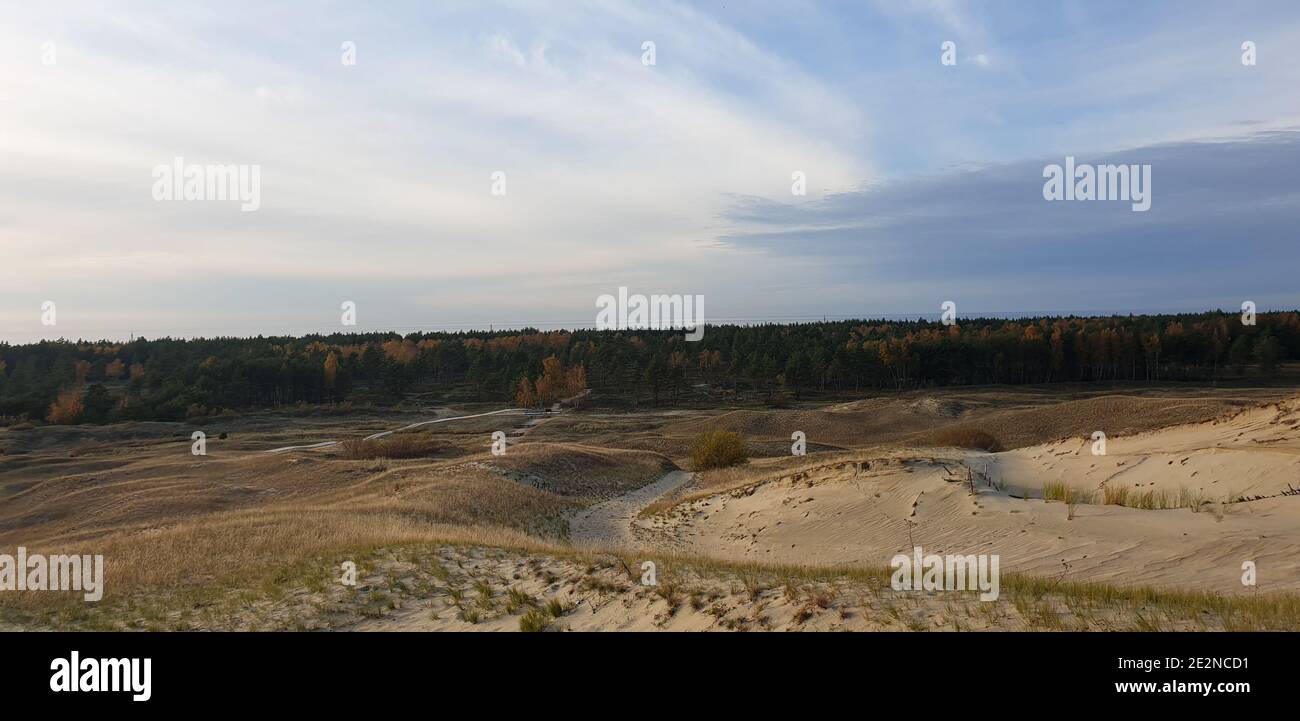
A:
(169, 379)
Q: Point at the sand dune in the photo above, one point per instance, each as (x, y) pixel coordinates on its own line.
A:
(780, 543)
(848, 514)
(1253, 453)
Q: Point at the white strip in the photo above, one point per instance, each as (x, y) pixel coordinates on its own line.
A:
(381, 434)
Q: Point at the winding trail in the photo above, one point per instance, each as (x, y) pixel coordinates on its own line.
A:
(609, 523)
(381, 434)
(556, 409)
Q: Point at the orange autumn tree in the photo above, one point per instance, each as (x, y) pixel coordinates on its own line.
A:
(575, 380)
(524, 397)
(402, 351)
(67, 408)
(555, 383)
(331, 369)
(114, 369)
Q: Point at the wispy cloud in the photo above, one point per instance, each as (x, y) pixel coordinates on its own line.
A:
(376, 178)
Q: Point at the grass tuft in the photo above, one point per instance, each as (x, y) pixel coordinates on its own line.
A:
(533, 621)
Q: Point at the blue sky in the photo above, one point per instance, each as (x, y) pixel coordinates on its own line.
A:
(924, 180)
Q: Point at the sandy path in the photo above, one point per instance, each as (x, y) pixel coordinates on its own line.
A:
(529, 426)
(609, 523)
(382, 434)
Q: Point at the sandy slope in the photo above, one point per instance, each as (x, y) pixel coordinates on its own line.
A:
(497, 588)
(1253, 453)
(609, 523)
(851, 515)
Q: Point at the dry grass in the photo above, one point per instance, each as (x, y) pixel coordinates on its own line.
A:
(1119, 415)
(572, 469)
(178, 530)
(410, 574)
(1064, 492)
(167, 521)
(399, 446)
(1151, 499)
(718, 449)
(1116, 495)
(1014, 417)
(533, 621)
(1044, 416)
(1154, 499)
(168, 540)
(967, 437)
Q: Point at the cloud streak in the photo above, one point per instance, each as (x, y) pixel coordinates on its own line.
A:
(673, 178)
(1221, 229)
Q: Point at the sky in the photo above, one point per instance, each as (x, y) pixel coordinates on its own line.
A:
(377, 130)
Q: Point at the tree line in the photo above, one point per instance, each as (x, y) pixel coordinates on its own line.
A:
(172, 379)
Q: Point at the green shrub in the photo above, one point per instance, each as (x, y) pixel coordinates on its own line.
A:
(718, 449)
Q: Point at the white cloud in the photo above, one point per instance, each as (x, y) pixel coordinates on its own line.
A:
(500, 45)
(381, 171)
(376, 177)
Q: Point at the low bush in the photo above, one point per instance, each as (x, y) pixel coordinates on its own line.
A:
(408, 445)
(967, 437)
(718, 449)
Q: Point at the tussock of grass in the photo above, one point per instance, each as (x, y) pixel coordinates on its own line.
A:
(517, 598)
(1151, 499)
(754, 585)
(556, 608)
(533, 621)
(670, 591)
(454, 596)
(1154, 499)
(1064, 492)
(1116, 495)
(484, 594)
